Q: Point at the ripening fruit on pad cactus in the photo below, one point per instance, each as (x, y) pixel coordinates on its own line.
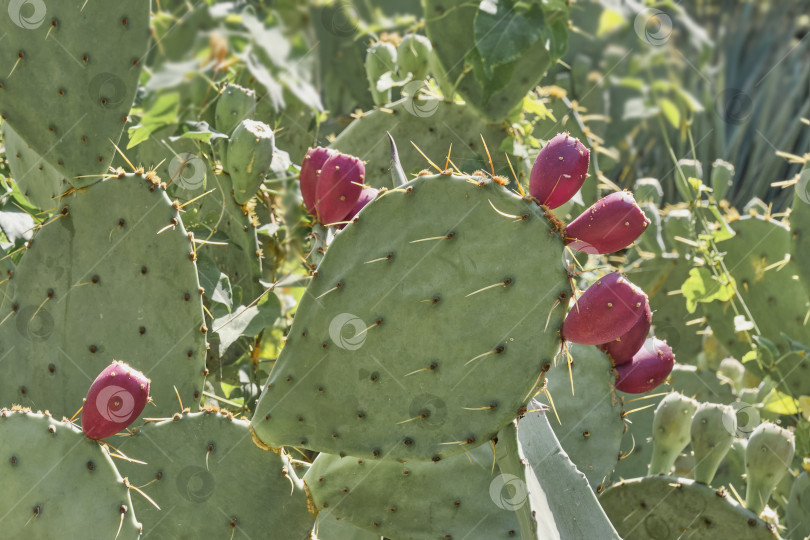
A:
(559, 170)
(648, 368)
(622, 349)
(310, 172)
(612, 223)
(338, 188)
(114, 401)
(366, 196)
(607, 310)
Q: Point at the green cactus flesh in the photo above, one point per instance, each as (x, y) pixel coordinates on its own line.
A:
(69, 79)
(56, 483)
(800, 228)
(764, 279)
(658, 277)
(561, 503)
(797, 513)
(235, 104)
(768, 456)
(416, 500)
(98, 283)
(381, 58)
(211, 481)
(410, 375)
(39, 181)
(591, 422)
(670, 430)
(417, 120)
(328, 527)
(712, 432)
(250, 152)
(668, 508)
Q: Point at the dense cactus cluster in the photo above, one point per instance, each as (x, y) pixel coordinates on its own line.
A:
(384, 290)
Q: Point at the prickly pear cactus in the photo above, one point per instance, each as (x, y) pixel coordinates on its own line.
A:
(393, 348)
(39, 181)
(210, 480)
(591, 421)
(764, 278)
(667, 508)
(104, 281)
(418, 500)
(70, 72)
(416, 118)
(56, 483)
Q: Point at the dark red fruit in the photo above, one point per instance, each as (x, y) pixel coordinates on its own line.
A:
(339, 186)
(559, 170)
(612, 223)
(607, 310)
(310, 172)
(622, 349)
(649, 367)
(114, 401)
(366, 196)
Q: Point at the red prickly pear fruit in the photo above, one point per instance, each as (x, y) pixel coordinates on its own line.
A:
(310, 171)
(115, 399)
(648, 368)
(339, 186)
(622, 349)
(559, 170)
(366, 196)
(612, 223)
(606, 310)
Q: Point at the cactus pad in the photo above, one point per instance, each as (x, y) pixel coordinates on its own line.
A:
(417, 500)
(411, 375)
(56, 483)
(69, 78)
(38, 180)
(213, 482)
(667, 508)
(97, 284)
(591, 421)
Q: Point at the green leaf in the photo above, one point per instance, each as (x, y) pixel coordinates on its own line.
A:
(161, 114)
(504, 29)
(702, 286)
(779, 403)
(246, 321)
(670, 112)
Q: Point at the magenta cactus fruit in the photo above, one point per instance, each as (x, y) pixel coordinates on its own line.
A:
(338, 188)
(612, 223)
(114, 401)
(366, 196)
(310, 172)
(559, 170)
(607, 310)
(650, 366)
(622, 349)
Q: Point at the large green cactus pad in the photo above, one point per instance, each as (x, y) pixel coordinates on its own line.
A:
(97, 284)
(211, 481)
(668, 508)
(69, 75)
(774, 297)
(328, 527)
(416, 500)
(56, 483)
(39, 181)
(427, 328)
(591, 422)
